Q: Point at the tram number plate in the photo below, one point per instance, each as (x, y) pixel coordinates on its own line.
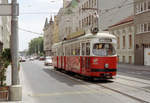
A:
(107, 74)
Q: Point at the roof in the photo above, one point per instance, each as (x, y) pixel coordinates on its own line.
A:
(126, 20)
(73, 3)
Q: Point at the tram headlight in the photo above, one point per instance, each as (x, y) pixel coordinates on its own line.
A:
(106, 65)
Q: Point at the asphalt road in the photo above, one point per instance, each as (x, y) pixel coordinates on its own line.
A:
(137, 71)
(49, 86)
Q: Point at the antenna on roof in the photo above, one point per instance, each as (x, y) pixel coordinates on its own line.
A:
(94, 30)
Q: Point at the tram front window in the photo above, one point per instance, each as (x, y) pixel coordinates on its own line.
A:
(103, 49)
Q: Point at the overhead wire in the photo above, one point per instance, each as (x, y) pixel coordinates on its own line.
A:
(102, 12)
(29, 31)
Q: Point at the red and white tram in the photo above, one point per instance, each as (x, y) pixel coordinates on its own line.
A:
(92, 55)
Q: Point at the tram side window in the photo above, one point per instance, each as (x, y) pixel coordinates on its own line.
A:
(83, 49)
(87, 49)
(69, 51)
(77, 49)
(72, 50)
(56, 52)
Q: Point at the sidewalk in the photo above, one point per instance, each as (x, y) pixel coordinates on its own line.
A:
(134, 67)
(8, 82)
(25, 87)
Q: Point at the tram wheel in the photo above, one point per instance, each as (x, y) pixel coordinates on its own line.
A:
(91, 79)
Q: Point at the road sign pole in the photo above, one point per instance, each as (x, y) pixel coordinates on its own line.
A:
(15, 89)
(14, 44)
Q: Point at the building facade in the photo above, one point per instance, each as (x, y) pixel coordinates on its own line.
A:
(112, 11)
(48, 36)
(142, 31)
(124, 31)
(55, 32)
(68, 19)
(5, 29)
(82, 15)
(88, 14)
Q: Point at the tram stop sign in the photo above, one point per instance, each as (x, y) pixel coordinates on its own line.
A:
(6, 10)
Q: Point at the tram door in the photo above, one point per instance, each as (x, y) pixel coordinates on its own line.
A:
(85, 58)
(83, 49)
(63, 58)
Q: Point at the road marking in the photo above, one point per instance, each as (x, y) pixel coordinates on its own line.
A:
(64, 93)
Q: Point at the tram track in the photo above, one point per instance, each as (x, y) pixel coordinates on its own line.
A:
(139, 88)
(124, 94)
(80, 80)
(134, 80)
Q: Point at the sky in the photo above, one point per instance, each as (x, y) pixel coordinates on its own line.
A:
(34, 22)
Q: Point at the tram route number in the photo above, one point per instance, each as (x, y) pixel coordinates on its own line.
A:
(105, 40)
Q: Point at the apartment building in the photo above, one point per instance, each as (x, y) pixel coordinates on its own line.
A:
(142, 31)
(113, 11)
(124, 31)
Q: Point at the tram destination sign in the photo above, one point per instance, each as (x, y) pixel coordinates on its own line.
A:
(6, 10)
(105, 40)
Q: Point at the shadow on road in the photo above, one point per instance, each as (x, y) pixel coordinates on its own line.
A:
(73, 79)
(60, 77)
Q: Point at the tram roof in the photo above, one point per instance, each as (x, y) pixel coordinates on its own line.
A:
(89, 36)
(98, 35)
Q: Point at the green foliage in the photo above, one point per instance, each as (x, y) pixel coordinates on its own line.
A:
(36, 46)
(5, 60)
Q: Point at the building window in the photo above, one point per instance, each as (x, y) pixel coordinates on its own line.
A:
(92, 3)
(118, 58)
(149, 5)
(124, 42)
(142, 28)
(148, 26)
(118, 40)
(145, 27)
(130, 59)
(137, 8)
(142, 7)
(123, 59)
(130, 41)
(145, 5)
(95, 2)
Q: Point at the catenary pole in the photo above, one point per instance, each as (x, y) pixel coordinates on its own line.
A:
(14, 44)
(98, 13)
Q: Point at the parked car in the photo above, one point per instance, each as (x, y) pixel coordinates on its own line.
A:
(48, 61)
(22, 59)
(42, 58)
(31, 59)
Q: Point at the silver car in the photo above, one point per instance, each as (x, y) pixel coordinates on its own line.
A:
(48, 61)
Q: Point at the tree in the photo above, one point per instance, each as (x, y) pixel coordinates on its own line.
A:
(36, 46)
(5, 60)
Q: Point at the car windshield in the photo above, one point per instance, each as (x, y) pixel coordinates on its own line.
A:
(48, 57)
(103, 49)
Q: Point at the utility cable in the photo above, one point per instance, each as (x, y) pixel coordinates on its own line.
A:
(30, 31)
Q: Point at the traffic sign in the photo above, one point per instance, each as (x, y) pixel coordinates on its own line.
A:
(6, 10)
